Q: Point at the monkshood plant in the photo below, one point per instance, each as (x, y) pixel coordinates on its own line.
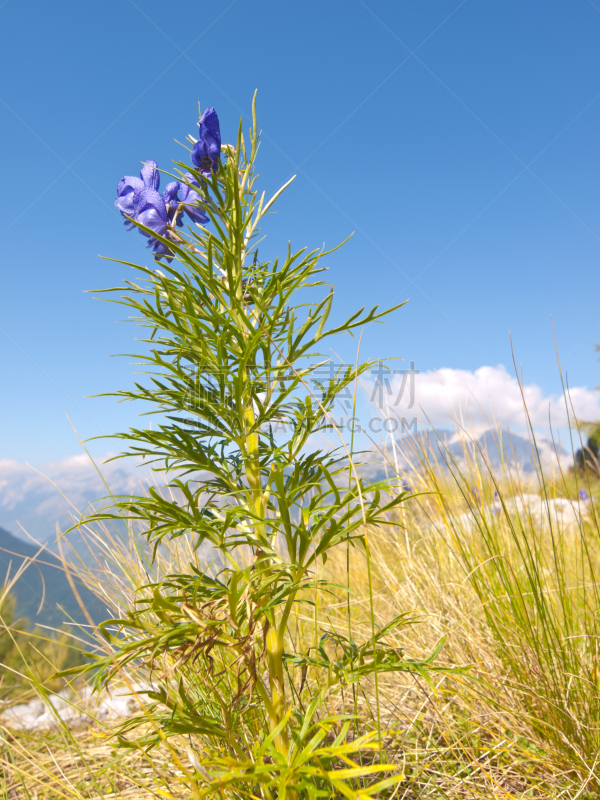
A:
(231, 348)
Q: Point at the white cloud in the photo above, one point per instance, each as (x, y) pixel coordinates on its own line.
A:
(38, 501)
(487, 397)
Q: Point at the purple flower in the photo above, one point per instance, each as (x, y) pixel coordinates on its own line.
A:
(150, 210)
(126, 190)
(160, 250)
(180, 198)
(150, 175)
(207, 150)
(171, 200)
(190, 199)
(583, 495)
(129, 186)
(138, 199)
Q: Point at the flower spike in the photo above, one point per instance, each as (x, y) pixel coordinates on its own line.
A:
(207, 150)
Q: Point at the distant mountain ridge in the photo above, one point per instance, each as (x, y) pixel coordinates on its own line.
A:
(46, 574)
(498, 447)
(493, 446)
(43, 580)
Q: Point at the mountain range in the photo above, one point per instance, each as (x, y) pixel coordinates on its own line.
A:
(42, 593)
(444, 446)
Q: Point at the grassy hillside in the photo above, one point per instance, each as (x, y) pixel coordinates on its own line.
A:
(42, 593)
(498, 567)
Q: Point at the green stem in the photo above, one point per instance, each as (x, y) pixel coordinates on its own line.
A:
(277, 685)
(372, 616)
(273, 639)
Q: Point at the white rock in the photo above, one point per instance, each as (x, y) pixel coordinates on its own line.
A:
(74, 709)
(559, 512)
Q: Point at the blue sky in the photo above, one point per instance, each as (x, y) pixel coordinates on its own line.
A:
(458, 140)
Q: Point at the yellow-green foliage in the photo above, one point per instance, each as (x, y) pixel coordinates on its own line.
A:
(31, 656)
(508, 592)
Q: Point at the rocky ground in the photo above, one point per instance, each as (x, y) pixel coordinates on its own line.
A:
(75, 709)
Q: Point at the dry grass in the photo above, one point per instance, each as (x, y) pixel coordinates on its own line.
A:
(473, 734)
(81, 765)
